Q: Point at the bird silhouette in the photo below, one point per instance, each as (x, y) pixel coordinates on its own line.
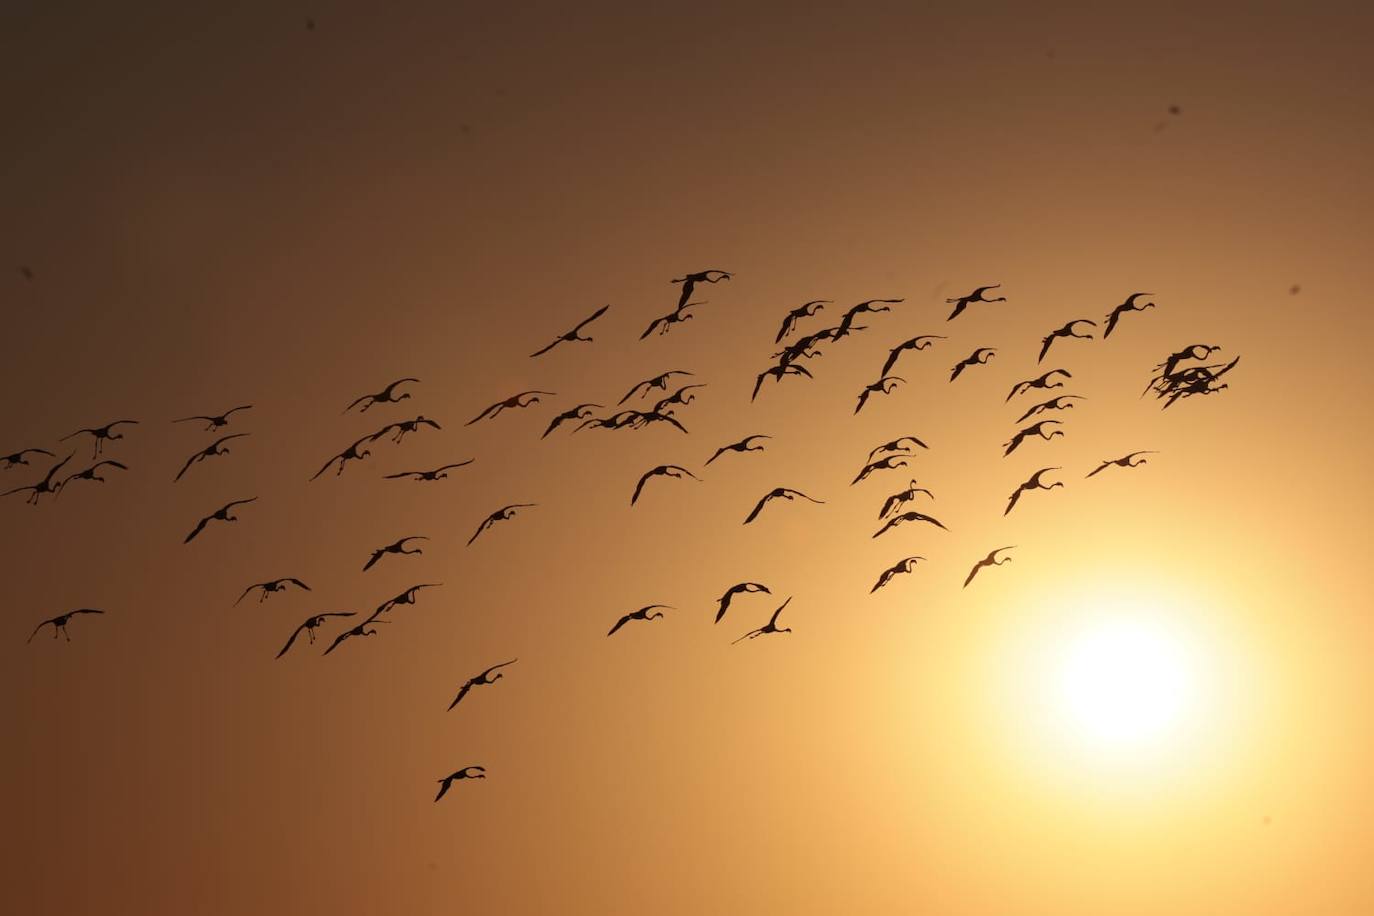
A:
(1055, 403)
(896, 446)
(618, 420)
(59, 623)
(402, 428)
(884, 385)
(690, 281)
(777, 372)
(644, 613)
(1066, 331)
(1042, 381)
(101, 434)
(396, 547)
(802, 311)
(743, 588)
(573, 335)
(870, 306)
(514, 401)
(656, 416)
(43, 486)
(469, 772)
(920, 342)
(1035, 429)
(1128, 306)
(742, 445)
(500, 515)
(90, 473)
(663, 470)
(387, 395)
(355, 631)
(779, 493)
(989, 560)
(406, 597)
(580, 412)
(908, 516)
(15, 459)
(1192, 387)
(664, 323)
(1125, 461)
(210, 451)
(902, 566)
(354, 452)
(480, 680)
(770, 627)
(218, 421)
(887, 463)
(439, 473)
(271, 587)
(219, 515)
(1167, 368)
(680, 396)
(309, 626)
(802, 348)
(977, 358)
(1033, 483)
(962, 302)
(658, 381)
(901, 498)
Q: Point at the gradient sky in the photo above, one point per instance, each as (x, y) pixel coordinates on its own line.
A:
(220, 206)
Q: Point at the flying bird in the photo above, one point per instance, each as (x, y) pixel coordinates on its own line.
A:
(902, 566)
(309, 626)
(101, 434)
(908, 516)
(1166, 368)
(1035, 429)
(396, 547)
(470, 772)
(221, 514)
(743, 445)
(480, 680)
(770, 627)
(573, 335)
(402, 428)
(218, 421)
(899, 499)
(271, 587)
(802, 311)
(406, 597)
(663, 470)
(962, 302)
(17, 458)
(45, 485)
(500, 515)
(387, 395)
(90, 473)
(664, 323)
(896, 445)
(680, 396)
(1066, 331)
(1034, 483)
(580, 412)
(1042, 381)
(648, 612)
(1125, 461)
(1055, 403)
(989, 560)
(779, 493)
(743, 588)
(887, 463)
(884, 385)
(920, 342)
(59, 623)
(870, 306)
(353, 453)
(210, 451)
(690, 281)
(514, 401)
(658, 381)
(778, 371)
(977, 358)
(359, 630)
(439, 473)
(1128, 306)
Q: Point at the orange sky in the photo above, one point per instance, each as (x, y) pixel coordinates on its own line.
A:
(222, 207)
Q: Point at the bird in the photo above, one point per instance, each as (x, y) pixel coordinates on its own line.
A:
(406, 597)
(397, 547)
(805, 310)
(469, 772)
(614, 421)
(580, 412)
(884, 385)
(743, 588)
(962, 302)
(901, 498)
(1066, 331)
(896, 446)
(217, 421)
(1055, 403)
(210, 451)
(658, 381)
(664, 323)
(1042, 381)
(1128, 306)
(500, 515)
(655, 416)
(920, 342)
(309, 626)
(742, 445)
(439, 473)
(690, 281)
(644, 613)
(271, 587)
(888, 463)
(778, 372)
(1033, 483)
(663, 470)
(1166, 368)
(17, 458)
(359, 630)
(989, 560)
(221, 515)
(908, 516)
(101, 434)
(1125, 461)
(90, 473)
(59, 623)
(680, 396)
(353, 453)
(513, 401)
(977, 358)
(903, 566)
(387, 395)
(573, 335)
(870, 306)
(45, 485)
(1035, 429)
(779, 493)
(770, 627)
(403, 427)
(480, 680)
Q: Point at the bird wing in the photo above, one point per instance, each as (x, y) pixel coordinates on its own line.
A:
(200, 526)
(299, 583)
(647, 331)
(462, 692)
(1014, 497)
(293, 637)
(327, 464)
(1100, 468)
(758, 508)
(490, 411)
(1112, 319)
(543, 350)
(376, 555)
(245, 594)
(720, 451)
(973, 572)
(896, 519)
(480, 528)
(620, 623)
(36, 629)
(187, 466)
(960, 305)
(1045, 347)
(403, 474)
(639, 487)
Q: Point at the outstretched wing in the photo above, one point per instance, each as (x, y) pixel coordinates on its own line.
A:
(462, 692)
(200, 526)
(1112, 319)
(1044, 347)
(973, 572)
(758, 508)
(293, 637)
(36, 629)
(620, 623)
(1014, 497)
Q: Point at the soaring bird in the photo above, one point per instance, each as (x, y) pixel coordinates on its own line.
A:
(962, 302)
(1055, 403)
(658, 381)
(271, 587)
(1128, 306)
(1035, 429)
(309, 626)
(680, 396)
(101, 433)
(354, 452)
(690, 281)
(908, 516)
(1066, 331)
(896, 445)
(920, 342)
(1167, 367)
(648, 612)
(778, 371)
(902, 566)
(359, 630)
(802, 311)
(1125, 461)
(655, 416)
(17, 458)
(1042, 381)
(469, 772)
(403, 427)
(870, 306)
(884, 385)
(217, 421)
(989, 560)
(618, 420)
(887, 463)
(664, 323)
(523, 399)
(899, 499)
(977, 358)
(210, 451)
(219, 515)
(743, 588)
(580, 412)
(743, 445)
(406, 597)
(480, 680)
(437, 474)
(396, 547)
(663, 470)
(90, 473)
(59, 623)
(45, 485)
(1034, 483)
(770, 627)
(779, 493)
(573, 335)
(387, 395)
(500, 515)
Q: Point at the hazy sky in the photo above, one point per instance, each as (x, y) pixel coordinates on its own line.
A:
(221, 206)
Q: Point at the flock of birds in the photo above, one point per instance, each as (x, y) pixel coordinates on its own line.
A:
(1180, 375)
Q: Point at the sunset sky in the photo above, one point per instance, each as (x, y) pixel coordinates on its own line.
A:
(217, 205)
